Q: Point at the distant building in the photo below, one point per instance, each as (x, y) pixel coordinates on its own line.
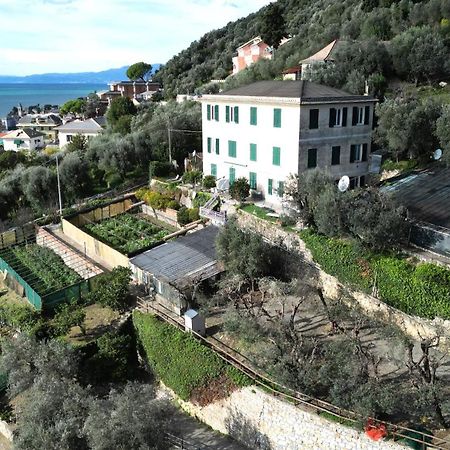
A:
(26, 139)
(88, 128)
(129, 89)
(293, 73)
(249, 53)
(43, 123)
(267, 130)
(323, 56)
(9, 123)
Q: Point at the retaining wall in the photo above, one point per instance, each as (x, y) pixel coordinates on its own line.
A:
(169, 215)
(264, 422)
(411, 325)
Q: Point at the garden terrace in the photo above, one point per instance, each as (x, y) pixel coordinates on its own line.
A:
(127, 233)
(41, 275)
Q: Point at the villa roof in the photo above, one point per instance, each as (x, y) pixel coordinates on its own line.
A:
(325, 54)
(39, 119)
(25, 133)
(82, 126)
(305, 91)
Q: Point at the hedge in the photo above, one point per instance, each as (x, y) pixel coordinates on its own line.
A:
(180, 360)
(421, 289)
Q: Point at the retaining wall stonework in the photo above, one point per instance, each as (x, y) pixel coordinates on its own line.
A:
(413, 326)
(262, 422)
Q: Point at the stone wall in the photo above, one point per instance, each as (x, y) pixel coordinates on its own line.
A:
(263, 422)
(6, 430)
(411, 325)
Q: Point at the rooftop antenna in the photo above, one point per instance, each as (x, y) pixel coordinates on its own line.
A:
(437, 155)
(344, 183)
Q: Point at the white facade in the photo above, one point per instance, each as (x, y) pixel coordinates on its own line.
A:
(269, 169)
(254, 133)
(16, 144)
(66, 137)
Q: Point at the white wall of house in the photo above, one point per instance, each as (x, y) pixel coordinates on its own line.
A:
(26, 143)
(264, 135)
(66, 137)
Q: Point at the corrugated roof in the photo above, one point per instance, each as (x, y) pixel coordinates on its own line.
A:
(183, 258)
(426, 194)
(301, 89)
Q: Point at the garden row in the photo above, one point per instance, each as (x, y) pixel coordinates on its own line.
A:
(190, 369)
(421, 289)
(126, 233)
(40, 267)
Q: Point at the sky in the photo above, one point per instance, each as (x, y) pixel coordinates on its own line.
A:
(40, 36)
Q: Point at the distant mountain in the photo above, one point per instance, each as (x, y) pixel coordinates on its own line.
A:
(103, 77)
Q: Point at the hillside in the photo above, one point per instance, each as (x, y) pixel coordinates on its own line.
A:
(102, 77)
(313, 23)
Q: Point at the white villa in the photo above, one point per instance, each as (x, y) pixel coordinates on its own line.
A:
(267, 130)
(25, 139)
(87, 128)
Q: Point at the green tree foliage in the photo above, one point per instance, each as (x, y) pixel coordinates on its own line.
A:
(420, 54)
(243, 253)
(67, 316)
(272, 25)
(121, 106)
(240, 189)
(209, 181)
(75, 106)
(79, 143)
(129, 419)
(111, 289)
(193, 177)
(123, 125)
(139, 71)
(443, 133)
(406, 127)
(38, 183)
(93, 107)
(74, 175)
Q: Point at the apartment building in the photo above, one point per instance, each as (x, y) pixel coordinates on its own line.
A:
(267, 130)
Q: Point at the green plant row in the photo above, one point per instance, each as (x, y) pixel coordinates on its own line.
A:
(41, 267)
(421, 289)
(178, 359)
(126, 233)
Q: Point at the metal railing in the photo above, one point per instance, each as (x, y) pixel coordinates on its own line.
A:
(244, 365)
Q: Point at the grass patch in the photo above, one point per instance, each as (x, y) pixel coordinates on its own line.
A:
(181, 361)
(402, 166)
(421, 289)
(259, 212)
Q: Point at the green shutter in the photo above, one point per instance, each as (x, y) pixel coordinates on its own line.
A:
(312, 158)
(217, 146)
(214, 170)
(208, 112)
(232, 149)
(252, 152)
(232, 176)
(216, 112)
(209, 145)
(227, 114)
(253, 115)
(276, 156)
(252, 180)
(270, 186)
(236, 114)
(280, 188)
(277, 118)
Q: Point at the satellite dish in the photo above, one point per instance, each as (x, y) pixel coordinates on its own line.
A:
(344, 183)
(223, 184)
(437, 155)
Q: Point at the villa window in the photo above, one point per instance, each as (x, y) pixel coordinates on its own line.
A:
(361, 115)
(338, 117)
(313, 119)
(358, 152)
(312, 158)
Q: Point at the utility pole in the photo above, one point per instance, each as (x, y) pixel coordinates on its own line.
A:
(169, 131)
(59, 187)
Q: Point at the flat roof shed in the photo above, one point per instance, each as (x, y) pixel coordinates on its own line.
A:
(183, 260)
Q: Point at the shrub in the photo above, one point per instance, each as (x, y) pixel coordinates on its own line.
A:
(240, 189)
(160, 168)
(173, 204)
(193, 177)
(178, 359)
(187, 215)
(200, 199)
(209, 181)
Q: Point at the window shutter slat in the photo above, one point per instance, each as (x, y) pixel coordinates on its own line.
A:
(367, 115)
(344, 117)
(332, 120)
(236, 114)
(208, 112)
(227, 113)
(355, 115)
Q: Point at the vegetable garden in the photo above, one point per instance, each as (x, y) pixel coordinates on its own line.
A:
(127, 233)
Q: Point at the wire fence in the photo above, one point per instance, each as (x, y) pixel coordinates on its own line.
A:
(261, 378)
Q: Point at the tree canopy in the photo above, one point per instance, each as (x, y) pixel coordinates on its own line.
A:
(139, 71)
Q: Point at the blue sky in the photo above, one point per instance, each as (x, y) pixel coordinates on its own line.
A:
(39, 36)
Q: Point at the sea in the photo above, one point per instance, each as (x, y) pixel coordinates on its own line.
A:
(29, 94)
